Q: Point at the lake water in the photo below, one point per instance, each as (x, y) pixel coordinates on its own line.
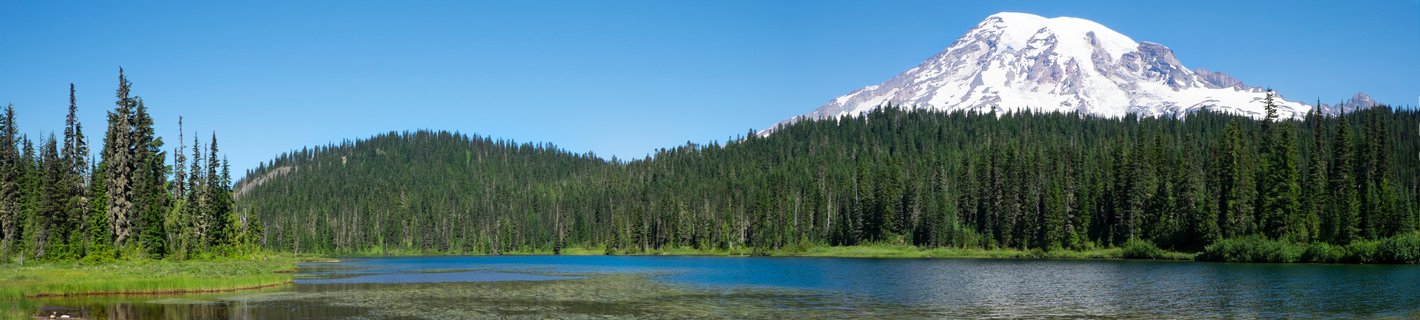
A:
(728, 287)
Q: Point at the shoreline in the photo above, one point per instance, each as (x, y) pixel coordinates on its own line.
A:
(155, 292)
(861, 251)
(149, 277)
(1401, 249)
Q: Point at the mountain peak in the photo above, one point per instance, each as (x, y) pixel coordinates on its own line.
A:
(1016, 31)
(1018, 61)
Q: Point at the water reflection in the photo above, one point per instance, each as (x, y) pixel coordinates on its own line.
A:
(434, 277)
(708, 287)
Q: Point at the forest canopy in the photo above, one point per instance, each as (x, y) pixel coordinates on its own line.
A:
(58, 203)
(1320, 189)
(891, 176)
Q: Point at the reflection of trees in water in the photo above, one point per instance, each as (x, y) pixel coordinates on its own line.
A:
(218, 310)
(136, 311)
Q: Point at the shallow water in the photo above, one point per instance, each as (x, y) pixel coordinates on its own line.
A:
(723, 287)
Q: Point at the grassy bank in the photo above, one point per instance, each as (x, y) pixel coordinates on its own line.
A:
(903, 251)
(146, 276)
(1141, 250)
(1400, 249)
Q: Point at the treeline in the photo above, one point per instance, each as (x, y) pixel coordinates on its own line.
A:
(58, 204)
(926, 178)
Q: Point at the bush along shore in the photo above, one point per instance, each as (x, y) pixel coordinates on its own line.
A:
(1401, 249)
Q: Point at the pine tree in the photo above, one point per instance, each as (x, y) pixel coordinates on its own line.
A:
(1161, 213)
(100, 236)
(150, 183)
(30, 173)
(1054, 220)
(1278, 180)
(223, 204)
(10, 175)
(1344, 203)
(50, 214)
(1235, 186)
(1141, 188)
(1193, 200)
(176, 219)
(1322, 222)
(75, 157)
(218, 207)
(197, 208)
(1373, 178)
(119, 165)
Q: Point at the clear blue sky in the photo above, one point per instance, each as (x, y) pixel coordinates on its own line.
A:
(616, 78)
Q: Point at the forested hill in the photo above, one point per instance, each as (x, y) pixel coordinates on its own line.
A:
(926, 178)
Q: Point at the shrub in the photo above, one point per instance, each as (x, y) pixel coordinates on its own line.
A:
(1363, 251)
(1400, 249)
(1323, 253)
(1252, 248)
(1140, 249)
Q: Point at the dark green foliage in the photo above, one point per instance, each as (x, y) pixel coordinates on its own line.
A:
(49, 219)
(11, 173)
(1321, 252)
(1234, 173)
(1363, 251)
(1279, 187)
(1252, 248)
(151, 198)
(1344, 203)
(1401, 249)
(1140, 249)
(1315, 194)
(892, 176)
(1238, 189)
(55, 206)
(100, 237)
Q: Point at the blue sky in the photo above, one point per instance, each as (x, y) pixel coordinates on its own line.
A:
(616, 78)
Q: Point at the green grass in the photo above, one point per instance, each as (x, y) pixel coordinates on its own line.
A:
(145, 276)
(887, 251)
(1135, 251)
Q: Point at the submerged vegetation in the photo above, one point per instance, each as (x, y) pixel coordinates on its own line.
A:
(600, 296)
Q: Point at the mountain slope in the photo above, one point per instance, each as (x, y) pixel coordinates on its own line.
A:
(1018, 61)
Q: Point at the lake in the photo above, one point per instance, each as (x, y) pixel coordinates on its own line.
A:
(759, 287)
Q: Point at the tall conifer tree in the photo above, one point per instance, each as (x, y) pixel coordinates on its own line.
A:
(1343, 189)
(75, 156)
(119, 164)
(10, 175)
(1322, 222)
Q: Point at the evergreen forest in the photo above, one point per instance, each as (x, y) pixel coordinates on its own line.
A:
(1229, 187)
(1322, 188)
(58, 203)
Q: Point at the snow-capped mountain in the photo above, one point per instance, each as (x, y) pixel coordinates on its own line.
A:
(1019, 61)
